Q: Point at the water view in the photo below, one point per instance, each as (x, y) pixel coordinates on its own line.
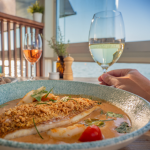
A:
(91, 69)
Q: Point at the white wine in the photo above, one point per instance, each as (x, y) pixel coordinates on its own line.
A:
(106, 54)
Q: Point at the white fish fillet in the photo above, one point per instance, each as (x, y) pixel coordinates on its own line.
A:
(49, 125)
(67, 132)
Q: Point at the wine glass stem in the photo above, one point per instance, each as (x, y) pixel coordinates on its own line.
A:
(32, 72)
(104, 70)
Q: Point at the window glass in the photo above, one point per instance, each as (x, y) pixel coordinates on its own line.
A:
(136, 19)
(75, 26)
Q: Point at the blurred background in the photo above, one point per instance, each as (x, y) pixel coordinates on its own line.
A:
(74, 19)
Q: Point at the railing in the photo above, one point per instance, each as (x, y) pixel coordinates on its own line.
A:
(12, 31)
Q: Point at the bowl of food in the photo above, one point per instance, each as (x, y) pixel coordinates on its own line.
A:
(5, 80)
(54, 115)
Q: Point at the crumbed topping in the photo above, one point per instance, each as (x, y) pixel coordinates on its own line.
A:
(21, 117)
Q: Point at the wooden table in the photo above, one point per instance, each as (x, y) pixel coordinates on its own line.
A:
(142, 143)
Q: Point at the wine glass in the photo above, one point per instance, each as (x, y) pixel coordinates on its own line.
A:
(106, 38)
(32, 49)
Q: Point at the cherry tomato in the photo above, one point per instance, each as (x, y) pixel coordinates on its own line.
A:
(91, 133)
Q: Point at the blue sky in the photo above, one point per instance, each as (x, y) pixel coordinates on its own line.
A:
(136, 16)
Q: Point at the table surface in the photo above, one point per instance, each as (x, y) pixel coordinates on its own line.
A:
(142, 143)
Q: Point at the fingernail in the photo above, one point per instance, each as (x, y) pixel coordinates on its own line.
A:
(105, 75)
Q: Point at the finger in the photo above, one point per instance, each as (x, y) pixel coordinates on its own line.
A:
(100, 79)
(108, 79)
(103, 83)
(119, 72)
(116, 73)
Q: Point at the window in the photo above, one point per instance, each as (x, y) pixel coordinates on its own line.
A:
(74, 22)
(136, 19)
(75, 27)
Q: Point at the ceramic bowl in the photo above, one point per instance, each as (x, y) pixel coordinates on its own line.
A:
(13, 80)
(134, 106)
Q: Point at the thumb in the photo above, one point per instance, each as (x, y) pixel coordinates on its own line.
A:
(108, 79)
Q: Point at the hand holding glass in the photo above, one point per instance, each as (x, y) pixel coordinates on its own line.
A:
(106, 38)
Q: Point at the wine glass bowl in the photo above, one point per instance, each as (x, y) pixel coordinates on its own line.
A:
(32, 55)
(106, 38)
(32, 49)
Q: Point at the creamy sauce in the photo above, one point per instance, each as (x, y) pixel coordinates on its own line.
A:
(108, 130)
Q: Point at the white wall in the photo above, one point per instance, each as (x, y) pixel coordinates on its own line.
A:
(49, 31)
(8, 6)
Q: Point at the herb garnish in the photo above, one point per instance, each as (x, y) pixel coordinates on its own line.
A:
(112, 114)
(66, 99)
(123, 128)
(41, 103)
(37, 129)
(99, 103)
(96, 122)
(72, 99)
(102, 112)
(106, 116)
(1, 106)
(108, 120)
(49, 92)
(54, 101)
(39, 93)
